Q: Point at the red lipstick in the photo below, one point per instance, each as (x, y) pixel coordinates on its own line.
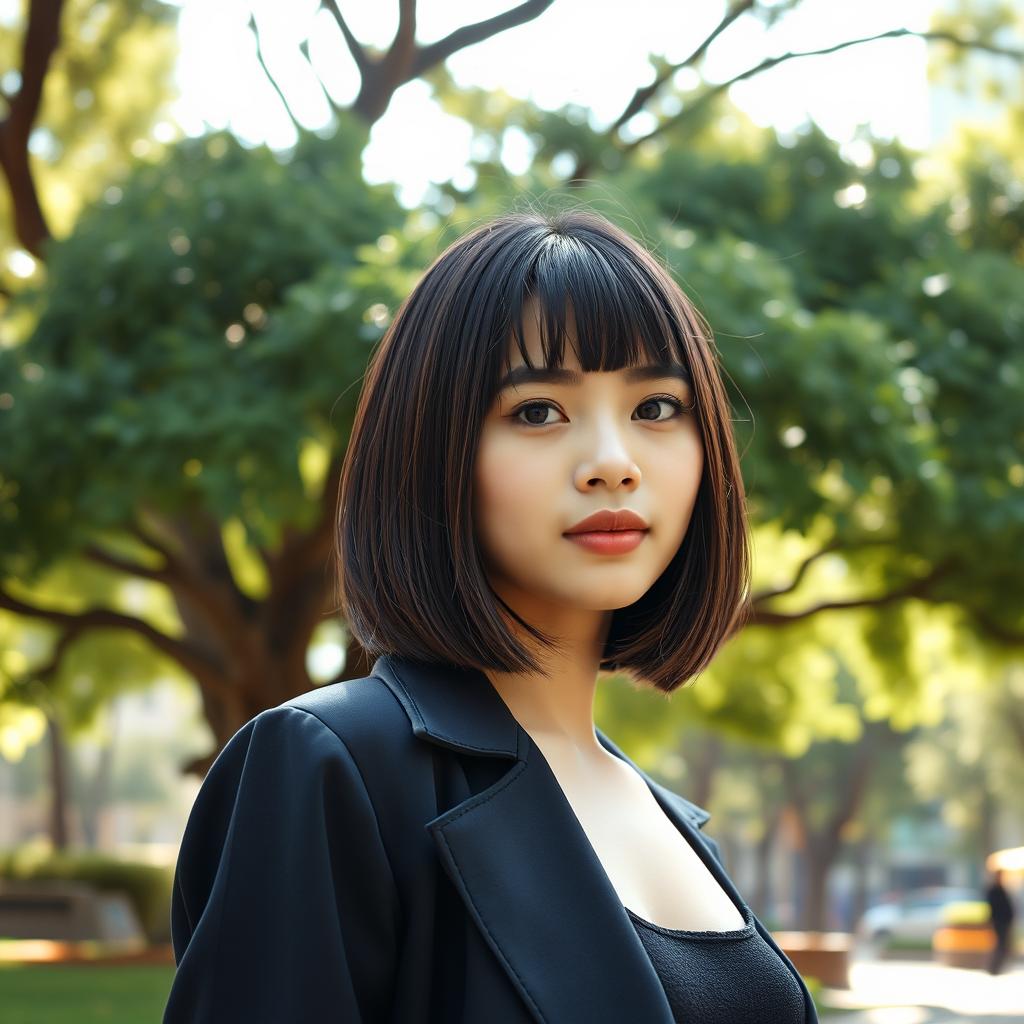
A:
(609, 531)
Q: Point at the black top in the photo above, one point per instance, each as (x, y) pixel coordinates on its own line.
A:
(711, 976)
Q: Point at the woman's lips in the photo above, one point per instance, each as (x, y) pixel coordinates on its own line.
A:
(608, 542)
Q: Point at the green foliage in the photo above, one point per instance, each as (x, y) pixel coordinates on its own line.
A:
(871, 341)
(198, 346)
(194, 330)
(970, 755)
(107, 84)
(874, 357)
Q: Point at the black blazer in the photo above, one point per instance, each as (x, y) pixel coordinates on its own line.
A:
(396, 849)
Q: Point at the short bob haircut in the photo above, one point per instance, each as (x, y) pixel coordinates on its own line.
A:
(411, 581)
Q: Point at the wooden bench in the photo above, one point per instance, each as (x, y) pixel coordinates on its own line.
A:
(67, 911)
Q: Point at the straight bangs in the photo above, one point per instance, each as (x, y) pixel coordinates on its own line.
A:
(410, 577)
(623, 316)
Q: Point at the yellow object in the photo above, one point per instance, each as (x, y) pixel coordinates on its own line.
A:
(963, 940)
(968, 912)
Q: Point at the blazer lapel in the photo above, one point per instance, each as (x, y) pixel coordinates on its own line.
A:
(523, 864)
(532, 882)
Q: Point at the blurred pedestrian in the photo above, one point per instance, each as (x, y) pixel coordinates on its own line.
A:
(1002, 911)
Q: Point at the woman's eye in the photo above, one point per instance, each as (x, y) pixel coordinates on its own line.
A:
(677, 410)
(534, 407)
(677, 407)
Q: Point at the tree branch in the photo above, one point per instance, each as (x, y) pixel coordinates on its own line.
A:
(359, 55)
(221, 612)
(41, 39)
(467, 35)
(116, 562)
(266, 71)
(644, 94)
(148, 539)
(770, 62)
(996, 631)
(45, 672)
(765, 595)
(75, 623)
(381, 76)
(405, 36)
(915, 588)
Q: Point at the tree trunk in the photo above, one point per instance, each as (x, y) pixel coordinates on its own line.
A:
(703, 767)
(986, 824)
(59, 831)
(862, 861)
(96, 793)
(816, 872)
(763, 890)
(821, 846)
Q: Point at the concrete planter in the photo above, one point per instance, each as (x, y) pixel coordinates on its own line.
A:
(821, 955)
(964, 945)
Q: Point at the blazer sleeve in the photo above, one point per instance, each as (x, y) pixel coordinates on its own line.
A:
(284, 906)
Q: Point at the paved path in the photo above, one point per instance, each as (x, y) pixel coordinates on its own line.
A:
(920, 992)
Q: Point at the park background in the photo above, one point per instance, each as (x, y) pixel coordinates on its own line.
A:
(210, 213)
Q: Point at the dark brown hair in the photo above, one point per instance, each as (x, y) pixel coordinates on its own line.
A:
(410, 576)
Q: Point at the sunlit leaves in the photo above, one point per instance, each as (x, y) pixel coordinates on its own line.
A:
(202, 388)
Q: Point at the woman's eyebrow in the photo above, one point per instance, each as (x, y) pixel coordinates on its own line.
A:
(560, 375)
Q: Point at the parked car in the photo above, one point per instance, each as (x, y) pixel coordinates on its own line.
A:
(914, 915)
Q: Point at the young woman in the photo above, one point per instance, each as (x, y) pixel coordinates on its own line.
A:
(541, 485)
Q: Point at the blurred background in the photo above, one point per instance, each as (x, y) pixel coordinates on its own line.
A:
(208, 215)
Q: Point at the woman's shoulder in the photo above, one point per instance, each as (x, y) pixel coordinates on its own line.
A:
(339, 758)
(352, 734)
(361, 721)
(361, 712)
(291, 849)
(308, 741)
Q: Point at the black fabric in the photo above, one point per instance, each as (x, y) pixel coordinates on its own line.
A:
(282, 872)
(711, 977)
(394, 849)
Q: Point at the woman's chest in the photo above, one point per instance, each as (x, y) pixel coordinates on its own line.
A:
(652, 867)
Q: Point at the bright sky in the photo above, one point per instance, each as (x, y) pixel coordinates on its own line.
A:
(578, 50)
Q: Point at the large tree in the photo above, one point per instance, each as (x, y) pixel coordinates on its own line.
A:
(77, 53)
(93, 77)
(187, 388)
(87, 87)
(173, 406)
(197, 331)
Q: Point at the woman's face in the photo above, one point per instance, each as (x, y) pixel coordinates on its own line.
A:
(551, 454)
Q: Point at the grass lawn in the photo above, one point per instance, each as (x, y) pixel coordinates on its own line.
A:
(83, 994)
(76, 994)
